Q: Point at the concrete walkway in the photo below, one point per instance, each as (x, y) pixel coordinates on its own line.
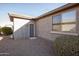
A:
(28, 47)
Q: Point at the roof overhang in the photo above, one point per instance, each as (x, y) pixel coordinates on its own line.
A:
(14, 15)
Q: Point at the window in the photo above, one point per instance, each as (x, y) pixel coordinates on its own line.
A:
(56, 27)
(65, 22)
(56, 22)
(69, 27)
(57, 19)
(69, 16)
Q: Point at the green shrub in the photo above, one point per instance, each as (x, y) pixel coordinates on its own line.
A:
(0, 31)
(67, 45)
(7, 30)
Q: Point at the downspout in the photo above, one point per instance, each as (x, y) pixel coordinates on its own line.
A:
(13, 29)
(11, 19)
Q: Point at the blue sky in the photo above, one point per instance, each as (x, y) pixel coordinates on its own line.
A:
(33, 9)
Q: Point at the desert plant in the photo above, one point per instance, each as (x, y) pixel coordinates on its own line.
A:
(7, 30)
(67, 45)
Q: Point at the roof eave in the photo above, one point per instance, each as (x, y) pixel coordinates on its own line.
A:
(12, 17)
(58, 9)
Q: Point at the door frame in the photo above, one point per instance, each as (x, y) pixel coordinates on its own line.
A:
(33, 28)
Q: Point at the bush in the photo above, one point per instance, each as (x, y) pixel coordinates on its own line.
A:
(7, 30)
(0, 31)
(67, 45)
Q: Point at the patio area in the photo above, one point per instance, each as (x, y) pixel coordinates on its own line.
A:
(28, 47)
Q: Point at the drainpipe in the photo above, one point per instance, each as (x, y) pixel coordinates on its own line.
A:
(35, 29)
(11, 19)
(13, 29)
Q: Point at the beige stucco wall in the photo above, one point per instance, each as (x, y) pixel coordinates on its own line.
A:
(44, 26)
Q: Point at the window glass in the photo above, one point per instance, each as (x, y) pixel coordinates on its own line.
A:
(56, 27)
(57, 19)
(69, 27)
(69, 16)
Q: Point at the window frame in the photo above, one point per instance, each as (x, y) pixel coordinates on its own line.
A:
(62, 23)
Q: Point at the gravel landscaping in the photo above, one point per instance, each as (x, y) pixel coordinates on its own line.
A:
(28, 47)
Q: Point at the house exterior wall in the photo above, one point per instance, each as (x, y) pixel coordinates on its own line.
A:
(23, 32)
(77, 20)
(44, 25)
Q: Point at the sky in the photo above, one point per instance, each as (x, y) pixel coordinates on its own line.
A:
(32, 9)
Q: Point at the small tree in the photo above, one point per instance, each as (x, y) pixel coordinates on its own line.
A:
(7, 30)
(0, 30)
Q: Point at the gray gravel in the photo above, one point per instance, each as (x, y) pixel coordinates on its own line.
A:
(28, 47)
